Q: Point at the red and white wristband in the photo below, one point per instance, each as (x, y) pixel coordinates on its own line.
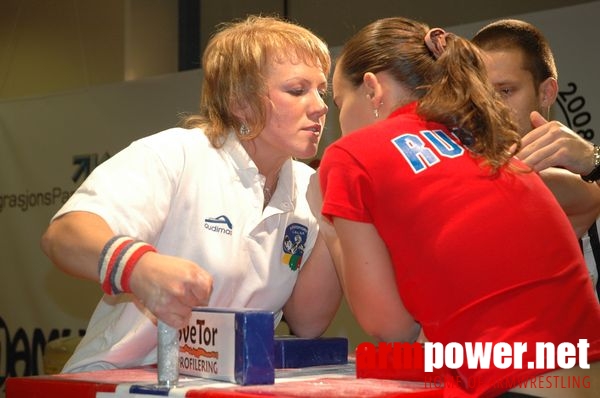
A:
(117, 260)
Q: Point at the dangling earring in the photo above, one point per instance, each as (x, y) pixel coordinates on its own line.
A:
(376, 111)
(549, 109)
(244, 130)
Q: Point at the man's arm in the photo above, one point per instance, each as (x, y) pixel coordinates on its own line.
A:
(580, 200)
(552, 144)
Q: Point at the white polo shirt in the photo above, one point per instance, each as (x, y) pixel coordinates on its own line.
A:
(177, 192)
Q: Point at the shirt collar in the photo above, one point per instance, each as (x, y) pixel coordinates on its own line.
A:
(409, 108)
(285, 195)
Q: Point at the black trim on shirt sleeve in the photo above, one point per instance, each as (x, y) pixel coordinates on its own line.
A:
(595, 243)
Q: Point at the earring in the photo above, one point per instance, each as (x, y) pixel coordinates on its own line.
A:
(244, 130)
(376, 111)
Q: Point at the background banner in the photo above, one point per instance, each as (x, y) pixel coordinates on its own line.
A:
(48, 145)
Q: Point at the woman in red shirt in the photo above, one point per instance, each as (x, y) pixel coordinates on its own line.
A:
(435, 224)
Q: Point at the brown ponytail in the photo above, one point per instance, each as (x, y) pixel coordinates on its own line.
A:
(452, 89)
(461, 96)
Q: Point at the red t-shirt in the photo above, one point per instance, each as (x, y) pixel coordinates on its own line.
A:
(477, 257)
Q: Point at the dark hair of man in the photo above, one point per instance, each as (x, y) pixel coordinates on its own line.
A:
(508, 34)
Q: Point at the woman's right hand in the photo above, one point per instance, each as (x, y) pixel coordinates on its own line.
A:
(170, 287)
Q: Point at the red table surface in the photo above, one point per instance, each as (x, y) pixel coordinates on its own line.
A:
(86, 385)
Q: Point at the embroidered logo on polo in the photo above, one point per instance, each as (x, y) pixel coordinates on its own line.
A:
(219, 224)
(294, 242)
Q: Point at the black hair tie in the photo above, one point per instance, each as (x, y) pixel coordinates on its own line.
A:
(465, 136)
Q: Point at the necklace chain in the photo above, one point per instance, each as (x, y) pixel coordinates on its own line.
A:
(268, 192)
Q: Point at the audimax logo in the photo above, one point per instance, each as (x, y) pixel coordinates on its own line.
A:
(220, 224)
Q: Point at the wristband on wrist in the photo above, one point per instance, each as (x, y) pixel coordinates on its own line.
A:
(594, 175)
(117, 260)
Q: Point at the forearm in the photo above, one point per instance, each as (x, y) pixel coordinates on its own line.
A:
(316, 296)
(579, 200)
(379, 311)
(332, 242)
(74, 242)
(168, 286)
(369, 283)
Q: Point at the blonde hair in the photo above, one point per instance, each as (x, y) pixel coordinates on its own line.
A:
(233, 67)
